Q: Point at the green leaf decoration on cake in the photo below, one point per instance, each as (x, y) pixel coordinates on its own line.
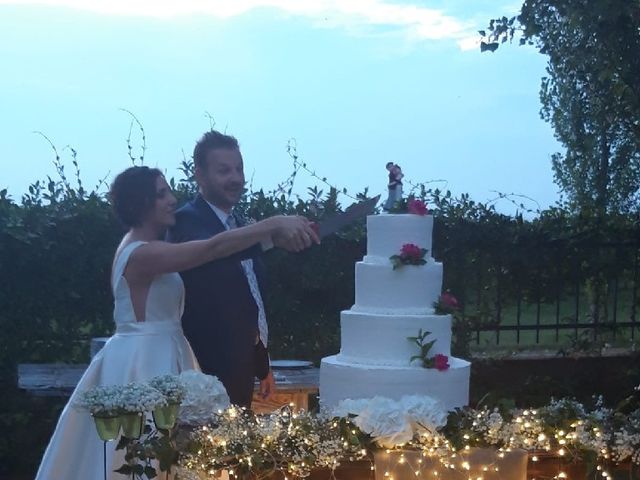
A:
(438, 361)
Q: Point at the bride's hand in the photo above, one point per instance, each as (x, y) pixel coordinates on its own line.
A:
(293, 233)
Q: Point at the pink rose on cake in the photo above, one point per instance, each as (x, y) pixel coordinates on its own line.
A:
(411, 251)
(417, 207)
(441, 362)
(425, 343)
(447, 303)
(410, 205)
(410, 254)
(449, 300)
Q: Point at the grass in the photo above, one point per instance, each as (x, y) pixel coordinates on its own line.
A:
(584, 337)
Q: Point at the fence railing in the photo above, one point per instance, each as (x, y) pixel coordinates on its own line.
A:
(586, 293)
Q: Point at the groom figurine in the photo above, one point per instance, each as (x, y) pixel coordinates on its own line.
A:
(224, 315)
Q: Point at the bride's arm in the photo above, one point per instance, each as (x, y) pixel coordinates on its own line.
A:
(160, 257)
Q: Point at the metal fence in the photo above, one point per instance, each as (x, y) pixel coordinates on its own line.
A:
(586, 292)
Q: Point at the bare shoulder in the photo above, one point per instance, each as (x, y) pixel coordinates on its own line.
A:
(143, 259)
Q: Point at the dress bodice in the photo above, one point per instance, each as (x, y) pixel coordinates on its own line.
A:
(165, 298)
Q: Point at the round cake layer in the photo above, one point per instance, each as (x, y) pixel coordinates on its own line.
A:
(386, 233)
(340, 380)
(377, 339)
(409, 290)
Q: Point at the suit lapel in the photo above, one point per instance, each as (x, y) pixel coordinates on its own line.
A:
(208, 215)
(214, 225)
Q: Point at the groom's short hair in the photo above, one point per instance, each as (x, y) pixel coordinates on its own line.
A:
(212, 140)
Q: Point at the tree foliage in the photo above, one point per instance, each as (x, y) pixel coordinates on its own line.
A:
(590, 95)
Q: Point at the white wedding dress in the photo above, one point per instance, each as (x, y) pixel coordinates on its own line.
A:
(137, 352)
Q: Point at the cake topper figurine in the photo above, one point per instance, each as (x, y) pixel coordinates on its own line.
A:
(394, 185)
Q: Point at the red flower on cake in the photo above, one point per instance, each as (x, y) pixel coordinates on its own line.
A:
(410, 250)
(417, 207)
(441, 362)
(449, 301)
(410, 254)
(447, 304)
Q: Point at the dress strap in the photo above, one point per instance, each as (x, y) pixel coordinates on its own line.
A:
(121, 261)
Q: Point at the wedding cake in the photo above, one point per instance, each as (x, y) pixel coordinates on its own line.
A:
(392, 305)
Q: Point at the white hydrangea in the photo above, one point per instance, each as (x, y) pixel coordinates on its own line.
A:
(393, 422)
(425, 413)
(204, 397)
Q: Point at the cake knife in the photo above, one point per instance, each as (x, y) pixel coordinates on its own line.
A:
(350, 215)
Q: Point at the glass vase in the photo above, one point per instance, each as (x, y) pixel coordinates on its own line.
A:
(108, 427)
(132, 424)
(165, 417)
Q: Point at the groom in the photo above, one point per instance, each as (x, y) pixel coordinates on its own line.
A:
(224, 316)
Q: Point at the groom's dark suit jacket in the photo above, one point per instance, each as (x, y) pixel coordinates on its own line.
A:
(220, 318)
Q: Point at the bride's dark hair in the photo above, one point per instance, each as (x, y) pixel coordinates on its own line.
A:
(133, 193)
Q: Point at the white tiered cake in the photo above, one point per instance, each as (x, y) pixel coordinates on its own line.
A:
(390, 306)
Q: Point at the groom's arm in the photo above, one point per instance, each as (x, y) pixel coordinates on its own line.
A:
(189, 227)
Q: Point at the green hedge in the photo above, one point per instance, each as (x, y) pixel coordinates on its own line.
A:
(57, 245)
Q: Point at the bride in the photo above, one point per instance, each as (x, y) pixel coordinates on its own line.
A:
(149, 297)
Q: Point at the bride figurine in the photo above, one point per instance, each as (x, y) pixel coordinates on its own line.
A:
(149, 300)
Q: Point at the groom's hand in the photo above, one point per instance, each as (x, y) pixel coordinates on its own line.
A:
(267, 386)
(294, 233)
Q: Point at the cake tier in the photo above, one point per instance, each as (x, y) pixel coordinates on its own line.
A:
(408, 290)
(377, 339)
(386, 233)
(340, 380)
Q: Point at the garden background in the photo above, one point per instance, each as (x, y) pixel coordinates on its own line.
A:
(563, 281)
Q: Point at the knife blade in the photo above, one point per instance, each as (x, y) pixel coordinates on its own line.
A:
(341, 220)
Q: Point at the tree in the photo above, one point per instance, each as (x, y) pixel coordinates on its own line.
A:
(591, 94)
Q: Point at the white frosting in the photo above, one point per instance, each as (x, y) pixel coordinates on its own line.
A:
(410, 289)
(391, 305)
(376, 339)
(387, 233)
(340, 380)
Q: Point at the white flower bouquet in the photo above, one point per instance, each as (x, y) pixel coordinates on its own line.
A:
(204, 398)
(170, 386)
(393, 423)
(101, 401)
(140, 397)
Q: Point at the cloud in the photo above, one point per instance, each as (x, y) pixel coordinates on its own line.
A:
(415, 22)
(471, 42)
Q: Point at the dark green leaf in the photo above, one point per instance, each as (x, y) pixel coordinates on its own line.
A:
(488, 47)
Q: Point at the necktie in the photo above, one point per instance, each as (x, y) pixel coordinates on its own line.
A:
(247, 266)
